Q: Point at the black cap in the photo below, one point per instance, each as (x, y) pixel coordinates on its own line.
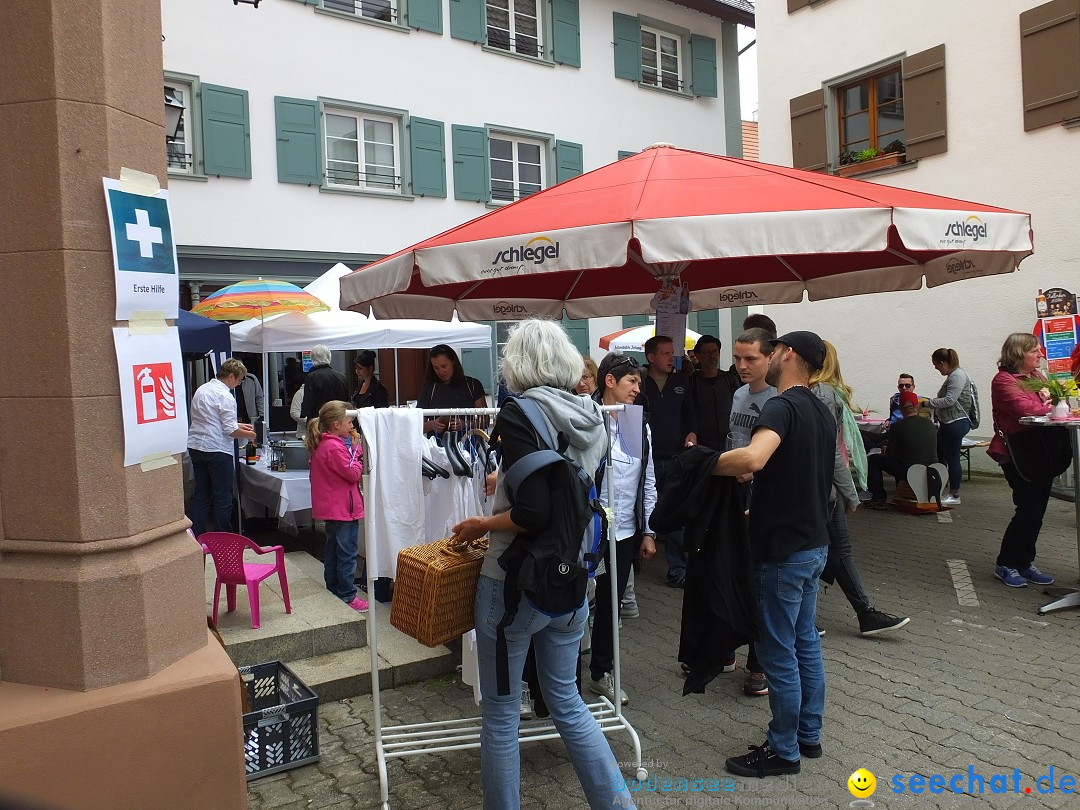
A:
(806, 344)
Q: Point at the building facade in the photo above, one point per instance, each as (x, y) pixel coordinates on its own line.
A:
(318, 131)
(974, 101)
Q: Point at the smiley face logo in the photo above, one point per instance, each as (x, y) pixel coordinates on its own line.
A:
(862, 784)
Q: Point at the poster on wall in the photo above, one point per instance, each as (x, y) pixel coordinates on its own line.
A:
(1055, 302)
(1058, 338)
(152, 393)
(144, 253)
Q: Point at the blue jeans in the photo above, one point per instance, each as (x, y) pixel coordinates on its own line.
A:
(214, 474)
(950, 437)
(555, 643)
(339, 558)
(789, 649)
(673, 541)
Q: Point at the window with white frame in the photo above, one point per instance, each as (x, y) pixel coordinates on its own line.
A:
(661, 59)
(515, 26)
(517, 166)
(363, 150)
(383, 10)
(180, 151)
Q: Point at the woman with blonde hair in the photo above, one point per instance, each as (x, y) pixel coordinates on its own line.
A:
(1020, 360)
(829, 386)
(587, 384)
(335, 496)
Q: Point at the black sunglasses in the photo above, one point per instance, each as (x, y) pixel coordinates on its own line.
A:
(626, 361)
(905, 385)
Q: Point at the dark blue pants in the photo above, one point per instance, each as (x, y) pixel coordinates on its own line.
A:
(950, 437)
(214, 473)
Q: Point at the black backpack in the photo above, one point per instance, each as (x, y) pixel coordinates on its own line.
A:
(551, 568)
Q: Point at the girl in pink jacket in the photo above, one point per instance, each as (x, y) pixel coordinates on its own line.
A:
(335, 496)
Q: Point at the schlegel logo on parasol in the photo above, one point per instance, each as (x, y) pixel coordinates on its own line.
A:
(506, 308)
(957, 266)
(527, 253)
(738, 295)
(965, 227)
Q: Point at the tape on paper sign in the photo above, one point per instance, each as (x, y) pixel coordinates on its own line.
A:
(147, 322)
(156, 461)
(135, 182)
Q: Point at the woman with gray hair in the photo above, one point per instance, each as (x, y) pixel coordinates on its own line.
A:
(540, 362)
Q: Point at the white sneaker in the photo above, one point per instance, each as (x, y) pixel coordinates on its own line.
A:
(950, 500)
(527, 711)
(606, 687)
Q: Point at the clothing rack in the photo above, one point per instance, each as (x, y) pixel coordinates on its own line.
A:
(459, 734)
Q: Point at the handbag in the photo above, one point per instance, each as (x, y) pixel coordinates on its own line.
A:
(435, 589)
(1039, 454)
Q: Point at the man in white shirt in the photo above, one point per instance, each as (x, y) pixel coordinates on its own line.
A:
(210, 446)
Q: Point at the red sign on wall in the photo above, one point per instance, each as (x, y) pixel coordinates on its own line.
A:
(155, 394)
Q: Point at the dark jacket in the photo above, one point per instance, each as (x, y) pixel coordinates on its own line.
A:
(375, 397)
(719, 605)
(671, 413)
(322, 385)
(712, 405)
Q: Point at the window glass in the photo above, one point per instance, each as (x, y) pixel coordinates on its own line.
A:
(516, 167)
(385, 10)
(370, 161)
(515, 27)
(179, 152)
(661, 64)
(871, 114)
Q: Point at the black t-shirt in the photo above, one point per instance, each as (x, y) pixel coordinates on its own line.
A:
(789, 508)
(913, 440)
(444, 395)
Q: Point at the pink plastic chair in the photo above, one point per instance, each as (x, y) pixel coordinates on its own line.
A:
(227, 549)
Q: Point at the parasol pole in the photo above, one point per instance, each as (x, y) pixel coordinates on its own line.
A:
(266, 383)
(397, 379)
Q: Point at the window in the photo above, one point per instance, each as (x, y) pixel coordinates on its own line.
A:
(383, 10)
(663, 56)
(515, 26)
(661, 59)
(180, 152)
(516, 167)
(362, 151)
(871, 114)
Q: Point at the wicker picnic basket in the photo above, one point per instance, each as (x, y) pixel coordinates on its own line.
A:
(435, 589)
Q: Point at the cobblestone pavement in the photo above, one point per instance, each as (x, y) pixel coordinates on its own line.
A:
(990, 685)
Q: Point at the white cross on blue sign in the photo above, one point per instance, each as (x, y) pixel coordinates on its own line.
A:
(142, 233)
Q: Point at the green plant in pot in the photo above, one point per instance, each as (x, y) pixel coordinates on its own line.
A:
(1057, 392)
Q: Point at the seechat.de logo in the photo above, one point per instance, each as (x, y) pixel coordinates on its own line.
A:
(971, 228)
(537, 250)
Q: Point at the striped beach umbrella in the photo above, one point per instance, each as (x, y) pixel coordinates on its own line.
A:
(258, 298)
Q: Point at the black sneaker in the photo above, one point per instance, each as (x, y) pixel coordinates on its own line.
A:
(676, 582)
(820, 630)
(874, 504)
(874, 621)
(762, 761)
(810, 750)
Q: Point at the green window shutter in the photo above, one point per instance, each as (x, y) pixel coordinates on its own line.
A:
(629, 321)
(427, 152)
(467, 20)
(703, 66)
(226, 132)
(477, 363)
(298, 125)
(708, 322)
(623, 154)
(470, 149)
(578, 332)
(627, 47)
(425, 15)
(566, 32)
(568, 160)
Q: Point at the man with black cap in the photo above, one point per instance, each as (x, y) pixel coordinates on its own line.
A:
(790, 458)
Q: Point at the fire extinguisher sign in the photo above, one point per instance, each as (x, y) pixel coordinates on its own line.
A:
(152, 393)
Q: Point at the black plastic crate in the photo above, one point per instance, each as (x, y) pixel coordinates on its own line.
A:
(282, 730)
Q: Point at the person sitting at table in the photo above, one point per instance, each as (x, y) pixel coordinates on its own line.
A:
(912, 440)
(904, 383)
(1020, 360)
(446, 386)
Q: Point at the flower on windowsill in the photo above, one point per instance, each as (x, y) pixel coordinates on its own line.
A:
(896, 147)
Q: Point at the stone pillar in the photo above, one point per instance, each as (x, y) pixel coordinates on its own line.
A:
(100, 587)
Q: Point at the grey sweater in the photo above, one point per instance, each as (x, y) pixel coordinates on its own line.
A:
(580, 421)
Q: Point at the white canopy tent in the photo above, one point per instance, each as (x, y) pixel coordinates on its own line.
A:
(342, 329)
